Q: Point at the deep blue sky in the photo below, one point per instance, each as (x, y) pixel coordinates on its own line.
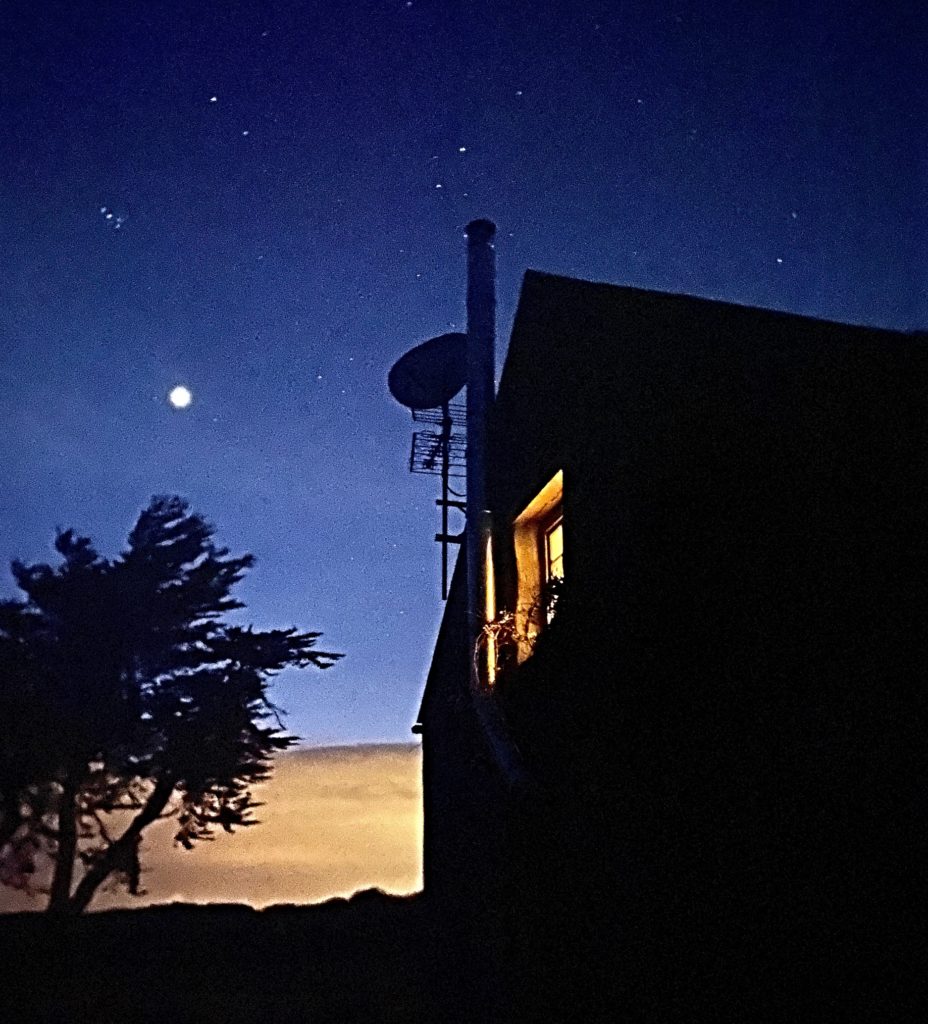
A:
(280, 246)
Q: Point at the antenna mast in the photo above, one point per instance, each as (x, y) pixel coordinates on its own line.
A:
(425, 380)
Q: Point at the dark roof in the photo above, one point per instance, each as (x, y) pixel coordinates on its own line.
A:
(588, 307)
(540, 286)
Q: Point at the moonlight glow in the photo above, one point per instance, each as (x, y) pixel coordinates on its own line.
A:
(180, 397)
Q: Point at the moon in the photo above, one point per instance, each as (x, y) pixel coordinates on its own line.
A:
(180, 397)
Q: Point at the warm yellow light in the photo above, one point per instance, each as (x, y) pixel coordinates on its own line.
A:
(545, 501)
(490, 609)
(538, 535)
(554, 542)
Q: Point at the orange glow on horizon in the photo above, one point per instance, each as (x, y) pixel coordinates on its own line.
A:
(335, 820)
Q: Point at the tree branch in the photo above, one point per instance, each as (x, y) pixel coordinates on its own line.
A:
(116, 854)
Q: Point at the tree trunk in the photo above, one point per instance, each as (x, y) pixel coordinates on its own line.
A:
(67, 846)
(115, 855)
(10, 820)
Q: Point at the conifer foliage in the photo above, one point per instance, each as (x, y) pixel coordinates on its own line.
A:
(126, 697)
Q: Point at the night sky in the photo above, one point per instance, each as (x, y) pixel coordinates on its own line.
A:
(265, 202)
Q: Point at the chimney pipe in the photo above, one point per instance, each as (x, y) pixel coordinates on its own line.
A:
(481, 360)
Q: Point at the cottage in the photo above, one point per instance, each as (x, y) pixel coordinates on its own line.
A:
(664, 768)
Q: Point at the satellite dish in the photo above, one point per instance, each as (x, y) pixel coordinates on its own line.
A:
(430, 374)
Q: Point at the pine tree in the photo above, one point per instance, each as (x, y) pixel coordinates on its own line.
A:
(123, 689)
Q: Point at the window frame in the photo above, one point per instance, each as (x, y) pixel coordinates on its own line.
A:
(531, 530)
(547, 597)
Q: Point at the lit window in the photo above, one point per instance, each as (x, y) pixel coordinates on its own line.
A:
(554, 563)
(554, 550)
(539, 543)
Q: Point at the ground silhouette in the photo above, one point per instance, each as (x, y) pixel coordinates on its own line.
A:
(373, 957)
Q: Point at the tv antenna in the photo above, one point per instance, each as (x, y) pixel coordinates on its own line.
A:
(425, 380)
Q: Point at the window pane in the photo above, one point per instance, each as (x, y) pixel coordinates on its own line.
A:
(555, 550)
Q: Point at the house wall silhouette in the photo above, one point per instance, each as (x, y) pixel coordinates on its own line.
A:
(717, 744)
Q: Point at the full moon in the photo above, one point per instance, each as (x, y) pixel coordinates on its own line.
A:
(180, 397)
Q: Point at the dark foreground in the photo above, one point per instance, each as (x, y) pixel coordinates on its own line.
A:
(387, 959)
(371, 958)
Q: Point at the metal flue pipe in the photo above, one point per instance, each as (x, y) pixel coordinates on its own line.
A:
(481, 391)
(481, 364)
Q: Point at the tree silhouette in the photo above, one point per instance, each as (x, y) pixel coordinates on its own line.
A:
(124, 696)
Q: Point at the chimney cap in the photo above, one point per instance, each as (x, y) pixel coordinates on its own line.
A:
(480, 230)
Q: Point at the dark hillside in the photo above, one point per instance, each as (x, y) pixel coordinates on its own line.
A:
(369, 958)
